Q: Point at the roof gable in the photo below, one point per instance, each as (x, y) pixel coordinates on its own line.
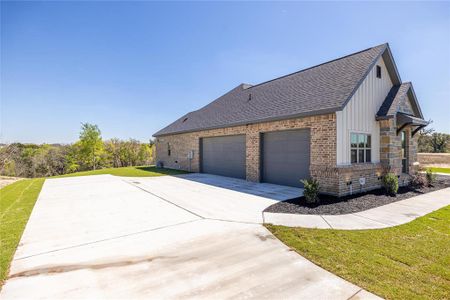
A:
(324, 88)
(401, 98)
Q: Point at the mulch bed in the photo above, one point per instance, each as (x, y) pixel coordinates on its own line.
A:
(330, 205)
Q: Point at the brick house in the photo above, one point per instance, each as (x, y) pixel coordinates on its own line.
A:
(344, 122)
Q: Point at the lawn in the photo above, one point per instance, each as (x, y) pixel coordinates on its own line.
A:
(16, 203)
(410, 261)
(441, 170)
(144, 171)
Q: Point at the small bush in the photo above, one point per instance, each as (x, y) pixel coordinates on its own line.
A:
(390, 183)
(311, 191)
(431, 177)
(418, 181)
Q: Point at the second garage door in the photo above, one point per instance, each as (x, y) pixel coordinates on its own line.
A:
(223, 155)
(285, 156)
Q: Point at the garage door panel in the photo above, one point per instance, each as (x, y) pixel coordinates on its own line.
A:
(224, 155)
(286, 156)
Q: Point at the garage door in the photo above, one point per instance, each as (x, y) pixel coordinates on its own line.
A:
(224, 155)
(285, 156)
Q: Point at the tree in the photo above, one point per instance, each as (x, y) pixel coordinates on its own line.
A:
(439, 142)
(112, 148)
(430, 141)
(91, 145)
(89, 152)
(72, 161)
(423, 140)
(146, 154)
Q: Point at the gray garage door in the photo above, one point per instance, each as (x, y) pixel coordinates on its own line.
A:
(285, 156)
(224, 155)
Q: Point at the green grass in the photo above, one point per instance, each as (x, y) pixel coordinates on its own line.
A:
(147, 171)
(441, 170)
(410, 261)
(16, 203)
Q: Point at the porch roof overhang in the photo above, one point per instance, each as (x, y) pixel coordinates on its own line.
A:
(404, 120)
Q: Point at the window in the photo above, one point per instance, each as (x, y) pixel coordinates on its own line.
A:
(168, 149)
(360, 148)
(378, 72)
(404, 153)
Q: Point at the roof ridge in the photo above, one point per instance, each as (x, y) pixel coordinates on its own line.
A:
(318, 65)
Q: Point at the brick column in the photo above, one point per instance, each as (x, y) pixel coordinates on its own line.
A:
(252, 154)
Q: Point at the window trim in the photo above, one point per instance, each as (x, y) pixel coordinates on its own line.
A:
(359, 148)
(404, 141)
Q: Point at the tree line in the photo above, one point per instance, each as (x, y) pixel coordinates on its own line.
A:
(90, 152)
(430, 141)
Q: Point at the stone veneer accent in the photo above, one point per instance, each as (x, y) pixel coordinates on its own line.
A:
(391, 150)
(333, 179)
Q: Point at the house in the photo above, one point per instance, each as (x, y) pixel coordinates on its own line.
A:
(344, 122)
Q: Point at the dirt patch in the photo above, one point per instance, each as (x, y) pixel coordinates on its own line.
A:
(330, 205)
(5, 180)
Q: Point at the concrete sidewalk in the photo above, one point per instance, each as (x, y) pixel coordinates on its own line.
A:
(442, 174)
(389, 215)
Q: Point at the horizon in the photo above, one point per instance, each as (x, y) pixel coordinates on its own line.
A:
(132, 70)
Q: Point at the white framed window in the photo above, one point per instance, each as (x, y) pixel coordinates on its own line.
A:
(360, 148)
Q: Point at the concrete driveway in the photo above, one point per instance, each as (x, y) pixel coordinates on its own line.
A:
(103, 237)
(216, 197)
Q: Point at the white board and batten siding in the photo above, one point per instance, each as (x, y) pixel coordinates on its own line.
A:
(359, 114)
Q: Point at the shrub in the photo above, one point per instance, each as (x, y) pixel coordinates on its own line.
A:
(418, 181)
(390, 183)
(311, 191)
(431, 177)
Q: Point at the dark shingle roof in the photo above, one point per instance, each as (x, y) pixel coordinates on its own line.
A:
(321, 89)
(395, 97)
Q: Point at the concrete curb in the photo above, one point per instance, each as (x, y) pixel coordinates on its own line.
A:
(389, 215)
(437, 173)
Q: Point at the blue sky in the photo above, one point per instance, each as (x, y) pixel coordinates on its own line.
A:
(134, 67)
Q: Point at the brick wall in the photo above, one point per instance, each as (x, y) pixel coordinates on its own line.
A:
(323, 144)
(344, 180)
(333, 179)
(371, 173)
